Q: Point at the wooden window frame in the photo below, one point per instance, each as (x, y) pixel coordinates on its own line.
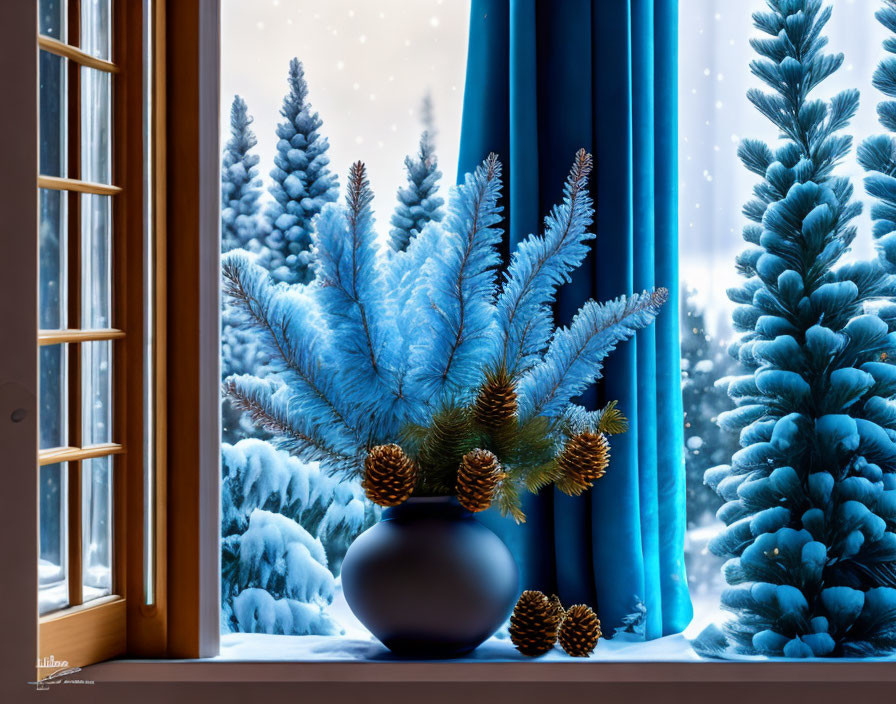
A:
(123, 623)
(184, 623)
(84, 633)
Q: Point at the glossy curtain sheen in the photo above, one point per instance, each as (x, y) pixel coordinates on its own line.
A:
(544, 79)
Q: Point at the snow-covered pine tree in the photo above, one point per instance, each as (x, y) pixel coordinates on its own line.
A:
(301, 183)
(241, 226)
(418, 202)
(428, 114)
(285, 528)
(240, 184)
(878, 154)
(811, 497)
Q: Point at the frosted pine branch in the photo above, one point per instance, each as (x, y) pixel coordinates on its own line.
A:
(353, 301)
(538, 266)
(460, 313)
(294, 432)
(575, 357)
(381, 343)
(287, 328)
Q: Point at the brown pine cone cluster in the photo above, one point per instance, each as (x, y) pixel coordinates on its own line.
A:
(580, 631)
(496, 402)
(538, 622)
(477, 479)
(583, 461)
(533, 624)
(389, 475)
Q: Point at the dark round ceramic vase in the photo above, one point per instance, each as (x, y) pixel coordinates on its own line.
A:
(428, 580)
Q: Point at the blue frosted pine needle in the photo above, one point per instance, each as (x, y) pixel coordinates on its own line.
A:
(575, 357)
(540, 264)
(387, 346)
(458, 318)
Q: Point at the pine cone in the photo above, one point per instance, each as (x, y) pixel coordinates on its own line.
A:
(389, 475)
(579, 631)
(477, 480)
(496, 402)
(533, 624)
(558, 606)
(582, 461)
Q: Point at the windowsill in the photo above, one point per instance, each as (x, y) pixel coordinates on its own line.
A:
(262, 658)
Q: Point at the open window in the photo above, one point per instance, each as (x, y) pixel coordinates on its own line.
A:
(107, 276)
(96, 368)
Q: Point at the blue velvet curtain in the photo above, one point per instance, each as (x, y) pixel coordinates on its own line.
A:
(543, 79)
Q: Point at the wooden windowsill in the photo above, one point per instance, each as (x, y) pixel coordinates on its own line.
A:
(636, 673)
(260, 658)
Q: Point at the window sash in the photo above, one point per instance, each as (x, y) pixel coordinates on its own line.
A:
(121, 621)
(185, 35)
(102, 618)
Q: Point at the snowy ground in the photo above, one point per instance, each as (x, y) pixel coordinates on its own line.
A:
(358, 645)
(255, 646)
(705, 579)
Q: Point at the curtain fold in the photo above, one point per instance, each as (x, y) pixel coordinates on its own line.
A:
(544, 79)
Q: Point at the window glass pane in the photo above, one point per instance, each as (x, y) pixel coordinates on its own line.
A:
(51, 22)
(149, 312)
(53, 121)
(96, 265)
(53, 398)
(96, 527)
(96, 392)
(52, 259)
(96, 28)
(96, 92)
(52, 577)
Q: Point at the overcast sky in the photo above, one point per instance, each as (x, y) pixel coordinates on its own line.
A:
(368, 66)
